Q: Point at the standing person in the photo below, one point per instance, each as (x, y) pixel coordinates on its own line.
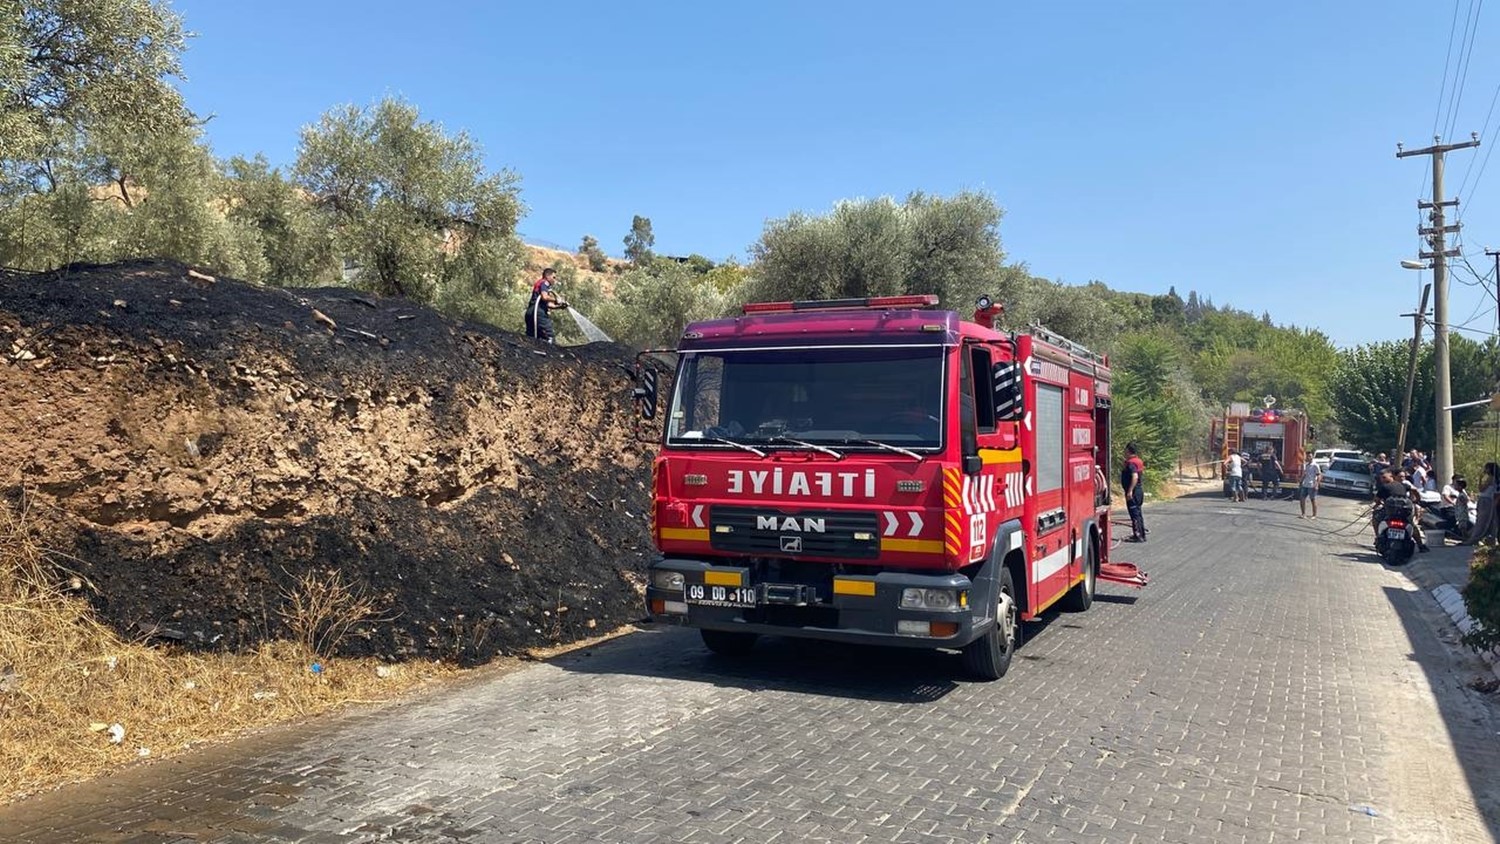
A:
(1418, 473)
(1484, 508)
(1307, 487)
(1234, 468)
(1270, 475)
(1132, 480)
(544, 300)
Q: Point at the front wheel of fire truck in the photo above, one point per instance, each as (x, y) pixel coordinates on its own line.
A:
(988, 657)
(728, 642)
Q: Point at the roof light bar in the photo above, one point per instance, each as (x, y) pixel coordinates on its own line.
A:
(921, 300)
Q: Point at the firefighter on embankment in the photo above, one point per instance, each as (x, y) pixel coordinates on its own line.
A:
(544, 300)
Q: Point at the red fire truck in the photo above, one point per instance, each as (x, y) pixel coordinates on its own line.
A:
(1259, 433)
(877, 471)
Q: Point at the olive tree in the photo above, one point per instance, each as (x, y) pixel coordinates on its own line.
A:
(69, 65)
(871, 247)
(411, 206)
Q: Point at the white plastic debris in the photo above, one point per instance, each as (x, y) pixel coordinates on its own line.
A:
(189, 685)
(263, 696)
(116, 733)
(112, 662)
(143, 752)
(382, 671)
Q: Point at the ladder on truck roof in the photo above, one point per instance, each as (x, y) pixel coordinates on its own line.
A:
(1231, 436)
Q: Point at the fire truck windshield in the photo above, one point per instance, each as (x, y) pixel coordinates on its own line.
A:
(855, 398)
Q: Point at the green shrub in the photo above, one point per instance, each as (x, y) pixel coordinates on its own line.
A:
(1482, 599)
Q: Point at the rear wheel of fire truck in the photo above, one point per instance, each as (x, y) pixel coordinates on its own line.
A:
(728, 642)
(988, 657)
(1082, 595)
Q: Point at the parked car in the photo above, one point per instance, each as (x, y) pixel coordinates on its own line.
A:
(1351, 477)
(1325, 456)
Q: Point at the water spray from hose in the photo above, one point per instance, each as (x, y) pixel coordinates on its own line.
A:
(592, 332)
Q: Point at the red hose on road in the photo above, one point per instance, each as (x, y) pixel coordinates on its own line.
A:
(1127, 574)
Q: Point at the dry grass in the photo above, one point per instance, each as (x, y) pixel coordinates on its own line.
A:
(66, 679)
(321, 609)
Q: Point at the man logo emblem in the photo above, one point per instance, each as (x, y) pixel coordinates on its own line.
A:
(791, 544)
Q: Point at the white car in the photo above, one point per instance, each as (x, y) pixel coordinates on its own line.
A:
(1351, 477)
(1324, 456)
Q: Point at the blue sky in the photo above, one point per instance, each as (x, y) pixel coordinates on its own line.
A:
(1246, 151)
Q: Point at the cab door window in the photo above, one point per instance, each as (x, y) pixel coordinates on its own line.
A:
(983, 388)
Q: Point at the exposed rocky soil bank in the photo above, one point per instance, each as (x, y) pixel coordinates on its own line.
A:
(197, 444)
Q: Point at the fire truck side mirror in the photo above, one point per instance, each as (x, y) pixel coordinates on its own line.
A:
(645, 394)
(973, 464)
(1010, 397)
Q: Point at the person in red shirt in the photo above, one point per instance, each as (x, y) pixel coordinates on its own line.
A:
(1132, 480)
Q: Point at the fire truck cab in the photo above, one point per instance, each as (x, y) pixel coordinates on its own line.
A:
(876, 471)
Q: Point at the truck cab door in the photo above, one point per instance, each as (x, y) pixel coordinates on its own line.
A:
(992, 478)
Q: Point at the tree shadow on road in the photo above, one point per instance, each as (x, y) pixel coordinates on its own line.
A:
(1471, 718)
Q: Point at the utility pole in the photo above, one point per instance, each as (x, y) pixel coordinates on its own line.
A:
(1437, 234)
(1411, 371)
(1494, 253)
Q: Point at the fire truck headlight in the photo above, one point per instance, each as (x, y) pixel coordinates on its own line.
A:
(928, 599)
(940, 599)
(671, 580)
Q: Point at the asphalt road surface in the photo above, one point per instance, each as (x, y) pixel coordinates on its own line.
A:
(1274, 683)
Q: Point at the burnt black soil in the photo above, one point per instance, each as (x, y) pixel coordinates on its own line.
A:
(195, 445)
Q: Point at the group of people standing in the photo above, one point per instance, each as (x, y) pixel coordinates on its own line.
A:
(1269, 470)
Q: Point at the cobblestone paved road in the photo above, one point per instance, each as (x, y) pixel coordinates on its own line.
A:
(1271, 684)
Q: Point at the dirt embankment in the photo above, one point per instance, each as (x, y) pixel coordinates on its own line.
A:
(202, 443)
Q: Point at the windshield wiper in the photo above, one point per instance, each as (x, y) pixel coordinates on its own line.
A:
(888, 447)
(779, 438)
(750, 448)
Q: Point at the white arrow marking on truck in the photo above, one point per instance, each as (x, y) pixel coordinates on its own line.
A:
(1028, 486)
(1028, 420)
(916, 524)
(989, 493)
(698, 516)
(890, 523)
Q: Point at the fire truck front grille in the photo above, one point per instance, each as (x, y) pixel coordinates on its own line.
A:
(803, 533)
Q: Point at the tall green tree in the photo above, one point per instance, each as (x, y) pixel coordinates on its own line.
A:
(412, 207)
(69, 65)
(296, 243)
(1156, 405)
(589, 249)
(639, 241)
(1369, 385)
(924, 244)
(652, 304)
(121, 192)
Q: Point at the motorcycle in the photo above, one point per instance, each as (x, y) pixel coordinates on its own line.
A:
(1395, 537)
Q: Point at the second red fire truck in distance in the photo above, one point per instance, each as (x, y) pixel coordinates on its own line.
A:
(878, 471)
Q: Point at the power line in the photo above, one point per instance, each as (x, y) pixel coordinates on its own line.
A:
(1447, 59)
(1461, 72)
(1484, 132)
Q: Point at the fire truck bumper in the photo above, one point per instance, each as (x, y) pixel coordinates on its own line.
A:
(888, 608)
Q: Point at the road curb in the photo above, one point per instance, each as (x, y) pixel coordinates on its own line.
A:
(1452, 602)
